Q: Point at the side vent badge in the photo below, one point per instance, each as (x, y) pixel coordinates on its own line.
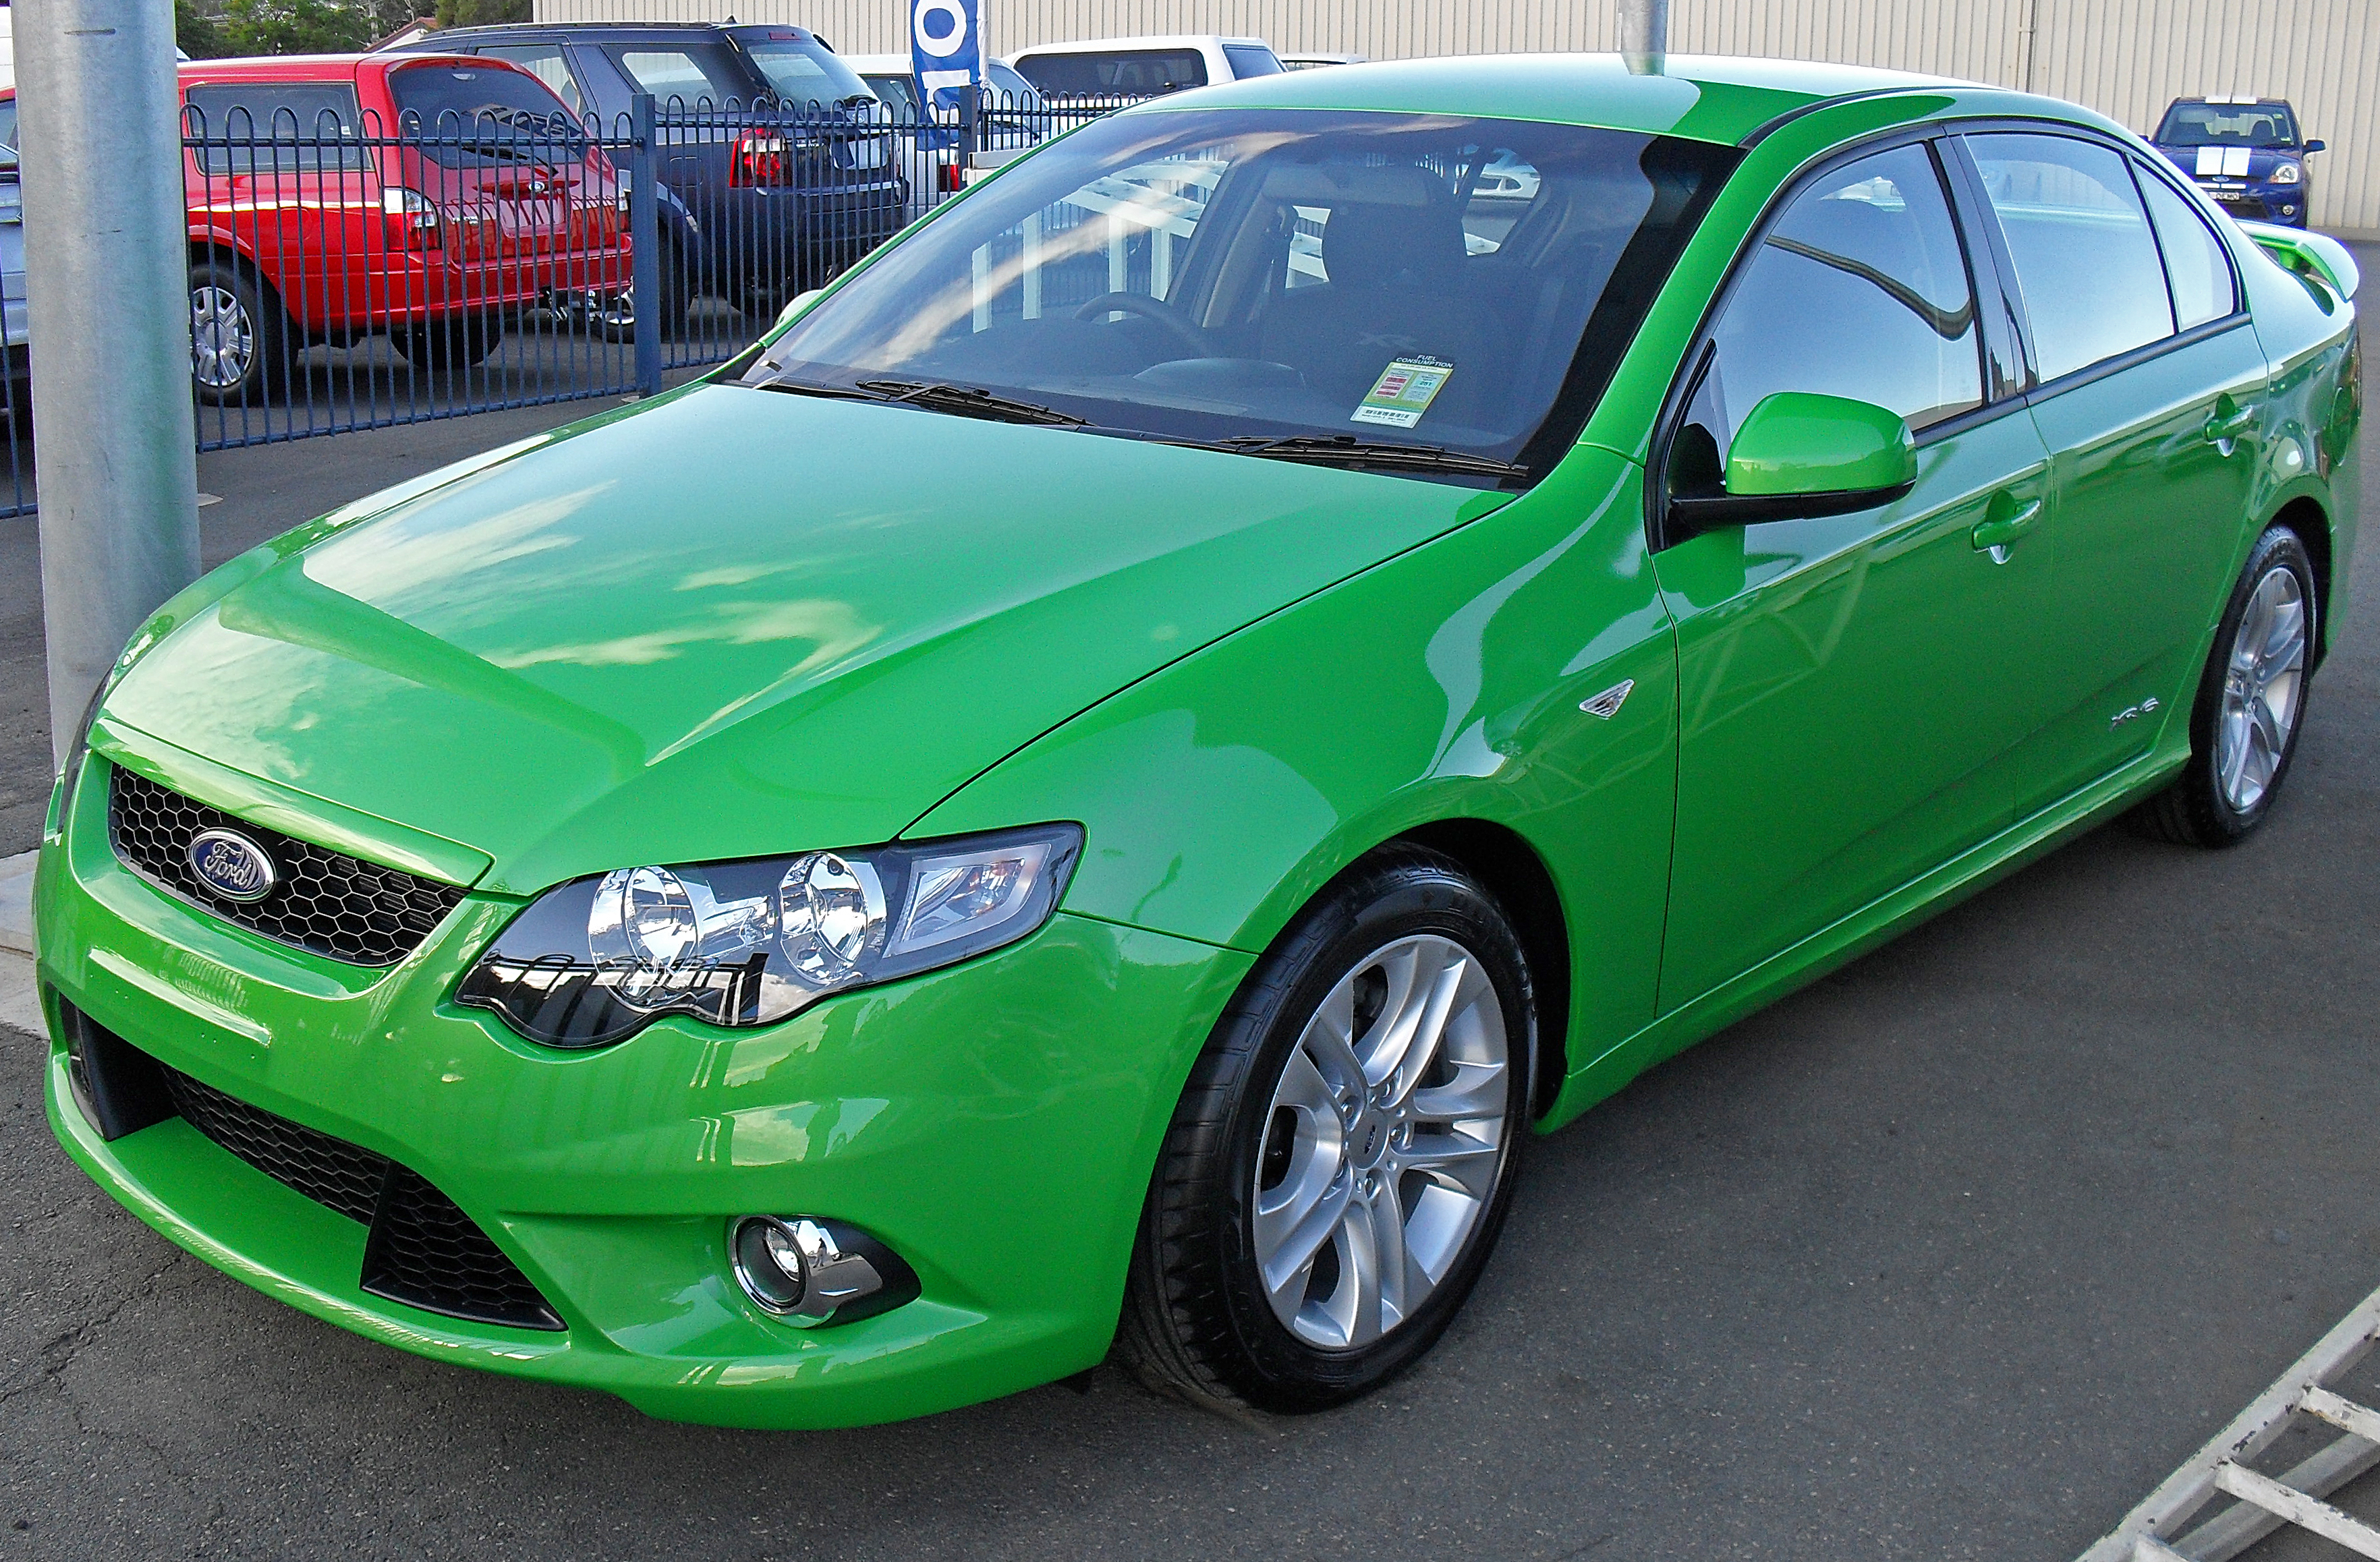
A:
(1605, 706)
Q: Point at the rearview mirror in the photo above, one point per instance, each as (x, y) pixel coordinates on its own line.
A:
(1800, 455)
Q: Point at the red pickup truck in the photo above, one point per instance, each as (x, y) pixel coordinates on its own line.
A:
(428, 197)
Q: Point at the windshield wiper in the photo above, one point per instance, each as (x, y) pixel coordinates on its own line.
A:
(964, 400)
(1346, 450)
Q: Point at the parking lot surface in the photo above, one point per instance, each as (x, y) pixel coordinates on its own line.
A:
(1953, 1255)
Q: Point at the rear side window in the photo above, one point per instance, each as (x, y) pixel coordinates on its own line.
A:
(698, 73)
(1859, 290)
(1124, 73)
(543, 61)
(471, 117)
(1250, 59)
(2196, 262)
(2085, 261)
(275, 126)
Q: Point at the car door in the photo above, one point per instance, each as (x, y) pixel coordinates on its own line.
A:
(1852, 688)
(2148, 400)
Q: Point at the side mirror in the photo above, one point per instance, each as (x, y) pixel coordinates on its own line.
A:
(801, 301)
(2316, 146)
(1801, 455)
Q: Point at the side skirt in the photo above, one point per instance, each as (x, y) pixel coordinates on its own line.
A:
(1976, 868)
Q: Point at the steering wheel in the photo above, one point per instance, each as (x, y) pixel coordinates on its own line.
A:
(1158, 309)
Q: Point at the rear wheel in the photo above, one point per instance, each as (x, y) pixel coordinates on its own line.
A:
(1344, 1153)
(2251, 704)
(239, 336)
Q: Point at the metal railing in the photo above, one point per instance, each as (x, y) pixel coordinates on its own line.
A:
(345, 274)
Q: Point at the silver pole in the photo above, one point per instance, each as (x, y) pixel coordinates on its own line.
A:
(1644, 35)
(107, 292)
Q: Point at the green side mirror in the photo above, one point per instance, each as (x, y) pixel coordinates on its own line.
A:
(1800, 455)
(1797, 442)
(800, 301)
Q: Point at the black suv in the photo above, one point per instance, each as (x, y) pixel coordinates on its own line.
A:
(769, 182)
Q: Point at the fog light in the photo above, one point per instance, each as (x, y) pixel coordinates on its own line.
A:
(812, 1272)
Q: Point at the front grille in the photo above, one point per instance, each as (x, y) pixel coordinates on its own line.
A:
(326, 902)
(422, 1251)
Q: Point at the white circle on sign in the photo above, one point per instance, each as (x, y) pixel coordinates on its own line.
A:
(944, 47)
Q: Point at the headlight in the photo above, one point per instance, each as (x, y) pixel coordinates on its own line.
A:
(2286, 174)
(746, 943)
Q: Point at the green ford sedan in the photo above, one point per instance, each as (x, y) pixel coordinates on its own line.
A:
(1089, 792)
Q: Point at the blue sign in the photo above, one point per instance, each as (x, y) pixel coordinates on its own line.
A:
(946, 48)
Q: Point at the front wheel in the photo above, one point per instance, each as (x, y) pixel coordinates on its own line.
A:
(1344, 1153)
(2251, 706)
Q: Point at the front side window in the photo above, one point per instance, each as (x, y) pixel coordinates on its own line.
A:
(265, 127)
(2228, 125)
(1860, 289)
(543, 61)
(2196, 262)
(1423, 281)
(2085, 261)
(1123, 73)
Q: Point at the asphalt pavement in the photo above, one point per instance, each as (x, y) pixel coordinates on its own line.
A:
(1953, 1255)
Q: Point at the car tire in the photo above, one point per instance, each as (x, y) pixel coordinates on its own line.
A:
(2251, 703)
(240, 336)
(455, 342)
(1274, 1153)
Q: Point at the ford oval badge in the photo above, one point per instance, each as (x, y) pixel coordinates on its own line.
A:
(232, 866)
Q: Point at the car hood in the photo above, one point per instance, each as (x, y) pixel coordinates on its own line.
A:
(2261, 161)
(735, 623)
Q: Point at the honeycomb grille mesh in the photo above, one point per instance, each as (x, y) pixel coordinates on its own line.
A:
(326, 902)
(423, 1249)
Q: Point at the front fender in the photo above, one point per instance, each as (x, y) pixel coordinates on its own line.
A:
(1220, 793)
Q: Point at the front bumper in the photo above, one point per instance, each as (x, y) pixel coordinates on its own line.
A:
(2259, 202)
(993, 1124)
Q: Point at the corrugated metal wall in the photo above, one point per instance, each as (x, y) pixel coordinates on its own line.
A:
(2126, 58)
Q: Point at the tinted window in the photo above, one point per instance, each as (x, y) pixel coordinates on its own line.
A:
(2195, 260)
(1288, 274)
(802, 71)
(7, 122)
(311, 127)
(898, 93)
(1128, 73)
(544, 62)
(1250, 59)
(1859, 290)
(2228, 125)
(469, 117)
(2085, 258)
(695, 74)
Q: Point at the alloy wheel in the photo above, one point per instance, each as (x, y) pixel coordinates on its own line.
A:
(2263, 686)
(1383, 1143)
(223, 338)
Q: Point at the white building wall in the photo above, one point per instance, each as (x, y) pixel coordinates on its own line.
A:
(2127, 58)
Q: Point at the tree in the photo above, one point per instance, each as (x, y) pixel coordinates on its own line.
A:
(475, 13)
(201, 35)
(295, 26)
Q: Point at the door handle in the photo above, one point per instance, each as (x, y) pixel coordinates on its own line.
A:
(2008, 520)
(2228, 421)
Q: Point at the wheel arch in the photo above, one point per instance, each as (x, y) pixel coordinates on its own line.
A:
(2305, 516)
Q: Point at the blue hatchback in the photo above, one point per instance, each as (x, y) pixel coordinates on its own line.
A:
(2245, 153)
(752, 211)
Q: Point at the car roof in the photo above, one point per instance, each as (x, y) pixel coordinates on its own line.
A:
(513, 27)
(1145, 41)
(1712, 98)
(311, 67)
(2243, 103)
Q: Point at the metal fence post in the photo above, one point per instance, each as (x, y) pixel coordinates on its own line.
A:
(644, 241)
(107, 283)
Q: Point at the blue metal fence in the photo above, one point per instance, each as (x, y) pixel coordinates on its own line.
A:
(345, 274)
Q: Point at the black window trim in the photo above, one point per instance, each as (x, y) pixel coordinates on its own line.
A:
(2041, 390)
(1694, 361)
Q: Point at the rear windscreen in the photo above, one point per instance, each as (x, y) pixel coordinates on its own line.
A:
(802, 71)
(1251, 59)
(1123, 73)
(474, 115)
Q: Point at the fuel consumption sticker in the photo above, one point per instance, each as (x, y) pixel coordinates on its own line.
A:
(1404, 392)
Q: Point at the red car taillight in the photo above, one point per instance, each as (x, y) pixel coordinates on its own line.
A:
(950, 178)
(761, 161)
(409, 219)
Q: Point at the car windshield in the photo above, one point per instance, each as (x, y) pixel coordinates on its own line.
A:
(2229, 125)
(1300, 280)
(801, 71)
